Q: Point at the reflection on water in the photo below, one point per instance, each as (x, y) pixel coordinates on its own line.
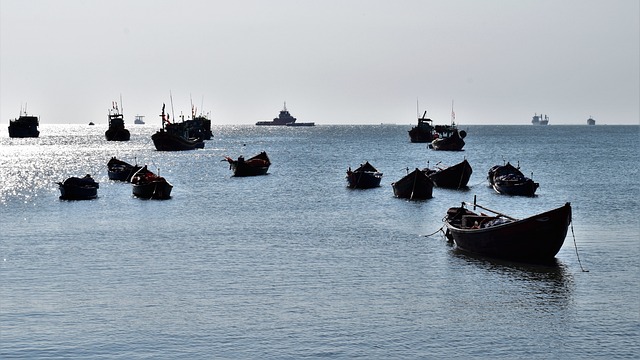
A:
(548, 285)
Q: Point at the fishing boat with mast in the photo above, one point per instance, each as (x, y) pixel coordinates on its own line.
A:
(116, 131)
(25, 126)
(424, 132)
(199, 126)
(175, 136)
(448, 138)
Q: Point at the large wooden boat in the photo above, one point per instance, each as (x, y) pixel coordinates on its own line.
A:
(174, 136)
(256, 165)
(508, 179)
(24, 126)
(416, 185)
(116, 131)
(535, 239)
(75, 188)
(120, 170)
(366, 176)
(284, 119)
(147, 185)
(452, 177)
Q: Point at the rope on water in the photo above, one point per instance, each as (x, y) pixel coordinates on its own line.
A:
(576, 247)
(481, 182)
(433, 233)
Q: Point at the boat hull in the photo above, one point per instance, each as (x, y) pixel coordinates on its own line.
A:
(453, 177)
(414, 186)
(121, 171)
(117, 135)
(526, 187)
(78, 193)
(254, 166)
(534, 239)
(363, 179)
(160, 190)
(25, 126)
(509, 180)
(453, 142)
(165, 141)
(241, 169)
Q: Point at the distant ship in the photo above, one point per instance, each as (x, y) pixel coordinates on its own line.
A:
(591, 121)
(139, 120)
(24, 126)
(284, 119)
(538, 120)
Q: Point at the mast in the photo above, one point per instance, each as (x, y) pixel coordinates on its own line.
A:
(172, 113)
(453, 115)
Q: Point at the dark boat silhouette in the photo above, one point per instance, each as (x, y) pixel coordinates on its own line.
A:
(535, 239)
(147, 185)
(175, 136)
(416, 185)
(366, 176)
(452, 177)
(24, 126)
(255, 165)
(284, 119)
(508, 179)
(75, 188)
(116, 131)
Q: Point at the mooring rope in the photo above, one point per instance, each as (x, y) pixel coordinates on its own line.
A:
(576, 247)
(478, 183)
(433, 233)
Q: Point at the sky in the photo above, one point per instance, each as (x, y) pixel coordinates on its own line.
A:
(331, 61)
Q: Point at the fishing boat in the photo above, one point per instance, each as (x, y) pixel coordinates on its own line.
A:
(116, 131)
(366, 176)
(199, 126)
(75, 188)
(539, 120)
(24, 126)
(174, 136)
(120, 170)
(452, 177)
(284, 119)
(591, 121)
(256, 165)
(416, 185)
(139, 120)
(508, 179)
(448, 139)
(424, 132)
(534, 239)
(147, 185)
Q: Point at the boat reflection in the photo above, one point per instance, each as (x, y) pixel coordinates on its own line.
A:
(550, 285)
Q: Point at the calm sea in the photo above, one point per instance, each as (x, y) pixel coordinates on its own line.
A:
(295, 265)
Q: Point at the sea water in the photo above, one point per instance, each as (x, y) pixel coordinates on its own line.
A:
(296, 265)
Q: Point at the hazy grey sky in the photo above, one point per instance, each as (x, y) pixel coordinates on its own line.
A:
(333, 62)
